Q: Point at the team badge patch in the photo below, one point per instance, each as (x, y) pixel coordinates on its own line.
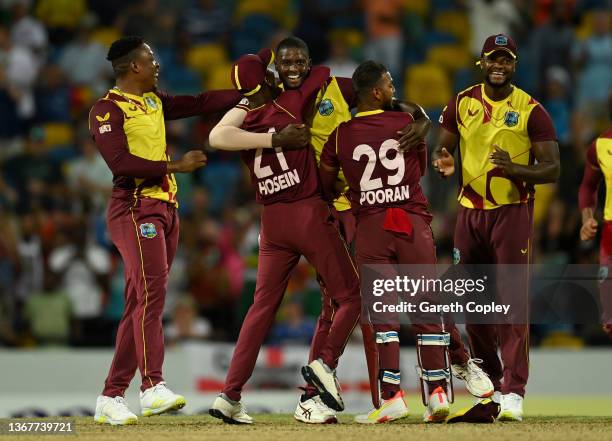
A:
(456, 256)
(511, 118)
(148, 230)
(500, 40)
(602, 275)
(150, 102)
(326, 107)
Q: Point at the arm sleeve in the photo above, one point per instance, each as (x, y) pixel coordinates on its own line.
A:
(540, 126)
(329, 166)
(183, 106)
(587, 194)
(448, 118)
(346, 87)
(317, 78)
(106, 128)
(227, 134)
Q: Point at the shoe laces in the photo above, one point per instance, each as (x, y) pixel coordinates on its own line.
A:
(320, 405)
(121, 402)
(473, 370)
(242, 408)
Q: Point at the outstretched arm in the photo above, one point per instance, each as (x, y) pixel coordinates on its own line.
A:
(227, 134)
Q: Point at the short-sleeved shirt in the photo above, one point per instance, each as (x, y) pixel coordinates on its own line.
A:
(513, 124)
(378, 174)
(599, 156)
(284, 175)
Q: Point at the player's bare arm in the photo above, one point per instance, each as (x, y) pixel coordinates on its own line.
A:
(227, 135)
(442, 158)
(413, 135)
(191, 161)
(587, 196)
(544, 171)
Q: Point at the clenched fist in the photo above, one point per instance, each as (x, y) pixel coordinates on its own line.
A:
(292, 137)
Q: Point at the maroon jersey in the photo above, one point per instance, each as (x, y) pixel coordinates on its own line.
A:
(284, 175)
(378, 174)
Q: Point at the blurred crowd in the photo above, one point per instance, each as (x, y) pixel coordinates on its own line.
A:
(61, 282)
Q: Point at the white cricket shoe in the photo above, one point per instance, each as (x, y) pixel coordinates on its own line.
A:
(159, 399)
(231, 413)
(314, 411)
(114, 411)
(437, 408)
(511, 407)
(476, 380)
(390, 410)
(319, 375)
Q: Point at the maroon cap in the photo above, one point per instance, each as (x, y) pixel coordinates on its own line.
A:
(499, 42)
(249, 71)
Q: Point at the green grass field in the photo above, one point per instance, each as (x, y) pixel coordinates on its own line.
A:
(559, 418)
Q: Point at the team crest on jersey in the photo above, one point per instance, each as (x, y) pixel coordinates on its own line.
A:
(148, 230)
(602, 276)
(150, 102)
(326, 107)
(511, 118)
(456, 256)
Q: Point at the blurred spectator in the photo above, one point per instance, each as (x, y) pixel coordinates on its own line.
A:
(594, 55)
(83, 60)
(147, 19)
(21, 69)
(32, 175)
(340, 62)
(558, 102)
(204, 21)
(31, 266)
(553, 43)
(293, 327)
(11, 124)
(89, 178)
(52, 96)
(186, 325)
(490, 17)
(28, 31)
(48, 313)
(384, 32)
(84, 269)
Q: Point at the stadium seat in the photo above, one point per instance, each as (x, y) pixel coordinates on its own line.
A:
(273, 8)
(420, 7)
(585, 29)
(453, 22)
(450, 56)
(105, 36)
(428, 85)
(437, 38)
(219, 77)
(58, 134)
(204, 57)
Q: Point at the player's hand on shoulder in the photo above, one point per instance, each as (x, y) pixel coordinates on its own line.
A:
(588, 230)
(444, 163)
(191, 161)
(292, 137)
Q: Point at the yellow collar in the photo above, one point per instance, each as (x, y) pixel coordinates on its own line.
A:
(369, 112)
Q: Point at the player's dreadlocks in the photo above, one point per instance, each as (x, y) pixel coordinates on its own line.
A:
(366, 76)
(120, 54)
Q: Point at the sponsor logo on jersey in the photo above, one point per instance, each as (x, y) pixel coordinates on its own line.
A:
(326, 107)
(148, 230)
(105, 128)
(103, 118)
(511, 118)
